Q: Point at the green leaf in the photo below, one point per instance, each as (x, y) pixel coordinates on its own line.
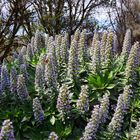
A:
(67, 131)
(52, 120)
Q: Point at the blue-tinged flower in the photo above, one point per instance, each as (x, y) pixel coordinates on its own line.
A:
(92, 125)
(104, 107)
(83, 101)
(115, 45)
(117, 120)
(5, 81)
(7, 132)
(20, 58)
(53, 136)
(13, 80)
(38, 111)
(23, 71)
(22, 89)
(39, 77)
(63, 100)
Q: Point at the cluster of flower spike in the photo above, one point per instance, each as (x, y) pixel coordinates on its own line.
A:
(7, 132)
(38, 111)
(99, 114)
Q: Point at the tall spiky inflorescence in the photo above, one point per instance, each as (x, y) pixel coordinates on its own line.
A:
(50, 72)
(73, 63)
(81, 46)
(92, 125)
(127, 93)
(126, 45)
(29, 53)
(53, 136)
(0, 80)
(83, 101)
(36, 42)
(96, 55)
(23, 71)
(22, 89)
(115, 45)
(137, 131)
(13, 80)
(130, 64)
(63, 101)
(116, 123)
(39, 78)
(103, 47)
(104, 107)
(46, 41)
(32, 45)
(23, 50)
(38, 111)
(5, 80)
(58, 40)
(94, 42)
(64, 48)
(39, 42)
(52, 50)
(20, 58)
(108, 49)
(7, 132)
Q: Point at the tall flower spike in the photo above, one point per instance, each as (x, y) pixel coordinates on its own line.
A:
(20, 58)
(58, 47)
(126, 45)
(96, 57)
(32, 44)
(117, 120)
(29, 51)
(94, 42)
(127, 93)
(92, 125)
(104, 106)
(39, 78)
(63, 100)
(53, 136)
(130, 64)
(5, 81)
(108, 48)
(13, 80)
(23, 71)
(38, 111)
(83, 101)
(22, 89)
(73, 63)
(23, 50)
(64, 46)
(46, 41)
(7, 132)
(103, 47)
(115, 45)
(81, 46)
(50, 72)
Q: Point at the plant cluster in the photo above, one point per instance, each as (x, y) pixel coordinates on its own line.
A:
(56, 90)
